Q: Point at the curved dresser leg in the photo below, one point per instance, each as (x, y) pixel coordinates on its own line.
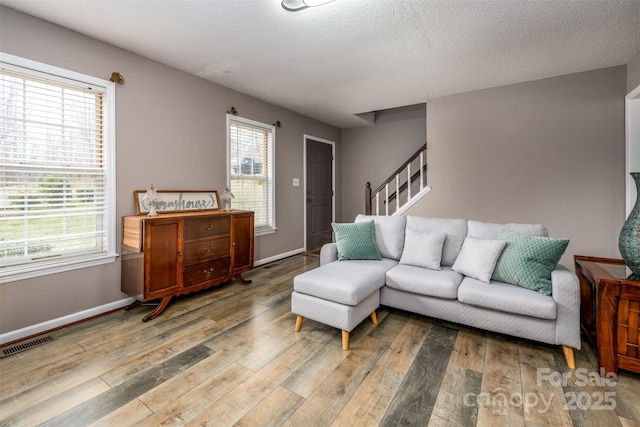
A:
(132, 305)
(159, 309)
(241, 279)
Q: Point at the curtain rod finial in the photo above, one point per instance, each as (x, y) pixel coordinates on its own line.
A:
(116, 77)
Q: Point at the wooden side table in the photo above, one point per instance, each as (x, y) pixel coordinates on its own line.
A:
(609, 311)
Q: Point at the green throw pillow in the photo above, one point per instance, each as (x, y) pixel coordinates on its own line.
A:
(528, 261)
(356, 241)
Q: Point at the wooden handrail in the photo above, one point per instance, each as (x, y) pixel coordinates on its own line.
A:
(370, 195)
(400, 169)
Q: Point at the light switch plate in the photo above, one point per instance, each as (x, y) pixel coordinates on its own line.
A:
(296, 182)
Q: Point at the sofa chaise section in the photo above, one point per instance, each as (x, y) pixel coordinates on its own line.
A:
(344, 293)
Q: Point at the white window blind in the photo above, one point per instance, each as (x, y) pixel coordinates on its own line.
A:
(251, 171)
(56, 172)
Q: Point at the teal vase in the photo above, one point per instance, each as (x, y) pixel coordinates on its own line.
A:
(629, 241)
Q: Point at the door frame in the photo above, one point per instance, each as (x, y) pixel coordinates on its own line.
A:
(304, 172)
(632, 145)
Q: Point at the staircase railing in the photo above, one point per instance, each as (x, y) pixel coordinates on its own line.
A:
(400, 187)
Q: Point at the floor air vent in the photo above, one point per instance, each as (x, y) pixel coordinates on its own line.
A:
(25, 345)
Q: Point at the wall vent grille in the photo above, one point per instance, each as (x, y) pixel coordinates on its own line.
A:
(25, 345)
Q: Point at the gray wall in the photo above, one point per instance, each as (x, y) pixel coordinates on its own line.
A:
(549, 151)
(633, 73)
(177, 122)
(373, 153)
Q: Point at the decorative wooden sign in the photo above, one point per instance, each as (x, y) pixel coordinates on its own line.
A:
(178, 201)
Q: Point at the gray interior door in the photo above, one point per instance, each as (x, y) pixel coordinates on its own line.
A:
(319, 193)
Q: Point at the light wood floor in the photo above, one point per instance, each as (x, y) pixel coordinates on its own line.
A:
(229, 356)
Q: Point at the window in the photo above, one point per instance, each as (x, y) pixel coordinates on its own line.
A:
(57, 169)
(251, 172)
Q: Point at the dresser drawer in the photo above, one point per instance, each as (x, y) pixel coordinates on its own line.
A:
(198, 251)
(197, 274)
(206, 226)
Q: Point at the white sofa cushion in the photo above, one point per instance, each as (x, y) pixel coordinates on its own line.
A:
(506, 298)
(456, 230)
(490, 230)
(389, 234)
(423, 248)
(441, 284)
(345, 282)
(478, 258)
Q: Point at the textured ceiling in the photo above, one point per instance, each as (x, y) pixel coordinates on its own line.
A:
(356, 56)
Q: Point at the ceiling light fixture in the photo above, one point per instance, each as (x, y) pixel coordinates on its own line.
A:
(296, 5)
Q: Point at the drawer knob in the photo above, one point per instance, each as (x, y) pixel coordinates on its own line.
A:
(209, 227)
(208, 272)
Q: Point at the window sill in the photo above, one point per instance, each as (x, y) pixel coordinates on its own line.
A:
(264, 231)
(13, 274)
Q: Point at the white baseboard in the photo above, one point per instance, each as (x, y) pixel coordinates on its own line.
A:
(278, 257)
(62, 321)
(81, 315)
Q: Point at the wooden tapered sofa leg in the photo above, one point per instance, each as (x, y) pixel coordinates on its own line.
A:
(345, 340)
(374, 318)
(298, 323)
(569, 356)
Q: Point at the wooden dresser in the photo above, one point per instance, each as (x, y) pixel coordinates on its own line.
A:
(174, 254)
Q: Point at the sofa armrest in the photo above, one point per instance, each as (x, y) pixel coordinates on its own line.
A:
(565, 290)
(328, 253)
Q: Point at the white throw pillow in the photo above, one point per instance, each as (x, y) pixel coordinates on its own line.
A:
(389, 233)
(423, 248)
(478, 258)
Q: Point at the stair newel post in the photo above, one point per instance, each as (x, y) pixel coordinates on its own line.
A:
(367, 199)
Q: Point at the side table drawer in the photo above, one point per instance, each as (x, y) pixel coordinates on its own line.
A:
(197, 274)
(628, 329)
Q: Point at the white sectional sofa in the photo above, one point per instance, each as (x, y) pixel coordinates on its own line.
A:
(344, 293)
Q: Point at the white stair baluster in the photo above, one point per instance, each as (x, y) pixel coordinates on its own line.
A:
(421, 170)
(386, 199)
(408, 182)
(397, 192)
